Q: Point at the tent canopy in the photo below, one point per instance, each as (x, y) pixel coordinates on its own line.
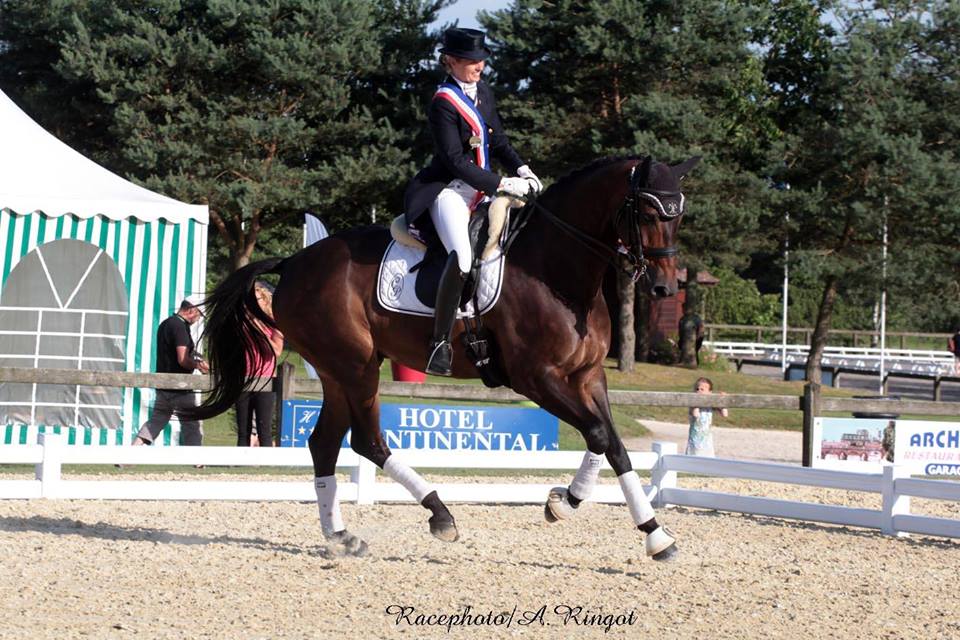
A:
(38, 172)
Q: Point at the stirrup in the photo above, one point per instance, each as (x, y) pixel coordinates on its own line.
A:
(441, 358)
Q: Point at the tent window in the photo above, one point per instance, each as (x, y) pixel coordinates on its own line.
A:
(64, 306)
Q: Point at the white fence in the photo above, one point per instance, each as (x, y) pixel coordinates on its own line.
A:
(893, 518)
(926, 360)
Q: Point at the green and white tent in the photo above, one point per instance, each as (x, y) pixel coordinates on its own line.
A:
(90, 264)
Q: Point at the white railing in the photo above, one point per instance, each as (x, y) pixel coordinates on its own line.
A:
(916, 360)
(776, 350)
(893, 518)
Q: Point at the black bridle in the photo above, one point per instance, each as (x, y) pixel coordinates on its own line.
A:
(630, 212)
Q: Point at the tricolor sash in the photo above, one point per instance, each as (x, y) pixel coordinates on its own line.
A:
(452, 93)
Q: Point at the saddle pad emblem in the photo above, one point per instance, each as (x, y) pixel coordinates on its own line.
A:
(396, 290)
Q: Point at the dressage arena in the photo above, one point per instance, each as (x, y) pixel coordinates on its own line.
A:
(123, 569)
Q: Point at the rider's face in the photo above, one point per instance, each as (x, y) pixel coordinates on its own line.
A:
(464, 69)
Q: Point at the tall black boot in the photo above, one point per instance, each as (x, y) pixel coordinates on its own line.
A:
(445, 314)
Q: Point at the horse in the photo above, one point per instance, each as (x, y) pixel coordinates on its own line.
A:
(551, 328)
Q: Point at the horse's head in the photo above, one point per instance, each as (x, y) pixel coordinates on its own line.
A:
(649, 220)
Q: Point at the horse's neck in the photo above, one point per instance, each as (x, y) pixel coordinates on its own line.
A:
(566, 263)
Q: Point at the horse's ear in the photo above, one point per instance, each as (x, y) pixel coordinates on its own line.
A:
(644, 175)
(682, 169)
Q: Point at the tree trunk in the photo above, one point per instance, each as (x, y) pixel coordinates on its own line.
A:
(819, 338)
(628, 336)
(690, 320)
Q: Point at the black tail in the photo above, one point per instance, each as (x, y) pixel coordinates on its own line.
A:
(231, 335)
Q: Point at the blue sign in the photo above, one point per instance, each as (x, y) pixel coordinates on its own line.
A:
(442, 427)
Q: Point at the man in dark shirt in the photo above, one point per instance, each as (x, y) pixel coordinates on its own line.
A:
(175, 354)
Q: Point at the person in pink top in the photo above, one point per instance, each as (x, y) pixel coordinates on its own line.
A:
(259, 403)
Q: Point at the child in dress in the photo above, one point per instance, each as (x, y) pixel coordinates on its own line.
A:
(700, 437)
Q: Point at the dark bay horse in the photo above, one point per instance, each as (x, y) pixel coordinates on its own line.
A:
(551, 327)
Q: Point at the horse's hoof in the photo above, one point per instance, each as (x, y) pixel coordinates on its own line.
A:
(344, 543)
(445, 530)
(557, 505)
(548, 514)
(661, 544)
(668, 554)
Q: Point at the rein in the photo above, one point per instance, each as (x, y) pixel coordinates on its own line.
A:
(630, 209)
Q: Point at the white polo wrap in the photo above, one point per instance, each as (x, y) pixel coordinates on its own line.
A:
(637, 501)
(409, 478)
(586, 478)
(330, 519)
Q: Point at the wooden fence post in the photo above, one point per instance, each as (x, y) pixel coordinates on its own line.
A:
(285, 388)
(811, 409)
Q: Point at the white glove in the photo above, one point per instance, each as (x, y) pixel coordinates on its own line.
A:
(526, 172)
(516, 187)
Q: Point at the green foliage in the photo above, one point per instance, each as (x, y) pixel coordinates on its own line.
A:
(735, 300)
(261, 110)
(586, 79)
(266, 109)
(872, 158)
(664, 351)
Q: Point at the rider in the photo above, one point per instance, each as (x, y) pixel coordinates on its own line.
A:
(466, 131)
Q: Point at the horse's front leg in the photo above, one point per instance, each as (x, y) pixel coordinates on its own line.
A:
(582, 401)
(660, 542)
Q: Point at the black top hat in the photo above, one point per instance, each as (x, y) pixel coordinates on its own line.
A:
(465, 43)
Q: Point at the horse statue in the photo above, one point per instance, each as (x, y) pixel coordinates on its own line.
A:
(550, 327)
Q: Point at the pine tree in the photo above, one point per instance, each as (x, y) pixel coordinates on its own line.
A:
(591, 78)
(868, 160)
(261, 110)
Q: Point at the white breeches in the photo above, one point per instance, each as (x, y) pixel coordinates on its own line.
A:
(450, 214)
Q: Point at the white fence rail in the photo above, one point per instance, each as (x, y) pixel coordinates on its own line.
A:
(894, 517)
(940, 358)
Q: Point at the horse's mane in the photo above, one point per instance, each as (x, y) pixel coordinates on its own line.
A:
(576, 174)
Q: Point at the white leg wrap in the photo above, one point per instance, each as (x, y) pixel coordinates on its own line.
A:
(330, 519)
(410, 479)
(637, 501)
(586, 478)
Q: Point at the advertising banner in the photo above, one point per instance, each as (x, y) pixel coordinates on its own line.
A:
(849, 444)
(929, 448)
(856, 444)
(442, 427)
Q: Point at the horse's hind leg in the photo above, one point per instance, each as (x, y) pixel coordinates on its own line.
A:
(367, 441)
(324, 446)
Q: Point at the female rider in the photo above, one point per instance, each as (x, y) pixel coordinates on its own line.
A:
(466, 131)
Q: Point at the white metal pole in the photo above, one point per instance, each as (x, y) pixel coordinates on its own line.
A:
(883, 300)
(786, 292)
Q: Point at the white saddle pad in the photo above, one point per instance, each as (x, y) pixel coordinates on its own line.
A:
(395, 284)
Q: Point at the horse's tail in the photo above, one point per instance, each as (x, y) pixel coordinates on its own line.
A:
(232, 334)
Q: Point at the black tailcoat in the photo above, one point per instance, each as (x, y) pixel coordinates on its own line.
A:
(452, 156)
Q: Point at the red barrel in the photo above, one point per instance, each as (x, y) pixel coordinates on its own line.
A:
(406, 374)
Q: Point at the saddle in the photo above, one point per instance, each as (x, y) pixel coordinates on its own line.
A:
(488, 229)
